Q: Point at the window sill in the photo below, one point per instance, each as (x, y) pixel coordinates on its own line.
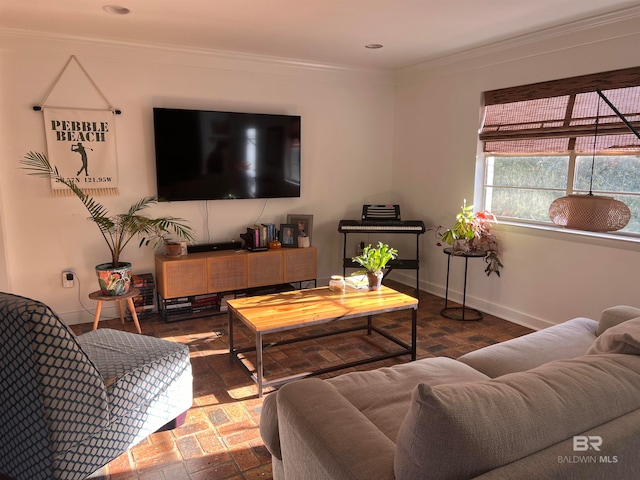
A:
(626, 242)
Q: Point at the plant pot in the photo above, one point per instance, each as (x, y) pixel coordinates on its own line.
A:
(374, 279)
(173, 249)
(114, 280)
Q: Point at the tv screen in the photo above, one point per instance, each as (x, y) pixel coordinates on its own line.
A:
(210, 155)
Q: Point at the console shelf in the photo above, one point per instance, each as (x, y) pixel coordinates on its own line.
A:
(181, 280)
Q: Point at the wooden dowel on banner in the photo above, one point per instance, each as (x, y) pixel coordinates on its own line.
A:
(117, 111)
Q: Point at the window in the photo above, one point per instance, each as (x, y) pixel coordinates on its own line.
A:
(540, 142)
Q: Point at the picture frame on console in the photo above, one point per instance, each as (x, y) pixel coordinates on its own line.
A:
(304, 223)
(288, 235)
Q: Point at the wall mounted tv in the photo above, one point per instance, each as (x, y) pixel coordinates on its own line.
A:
(211, 155)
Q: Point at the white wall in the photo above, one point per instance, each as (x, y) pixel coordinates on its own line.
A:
(347, 131)
(548, 276)
(365, 140)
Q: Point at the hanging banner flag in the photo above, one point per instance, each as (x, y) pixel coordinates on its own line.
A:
(82, 145)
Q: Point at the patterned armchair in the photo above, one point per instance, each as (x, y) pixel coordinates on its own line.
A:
(70, 404)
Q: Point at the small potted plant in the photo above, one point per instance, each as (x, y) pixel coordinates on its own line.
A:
(116, 230)
(472, 233)
(374, 260)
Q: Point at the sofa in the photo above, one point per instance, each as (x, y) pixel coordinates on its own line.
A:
(559, 403)
(69, 404)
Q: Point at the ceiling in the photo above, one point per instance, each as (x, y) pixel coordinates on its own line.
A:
(319, 31)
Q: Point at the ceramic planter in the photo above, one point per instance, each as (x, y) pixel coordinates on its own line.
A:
(114, 280)
(173, 250)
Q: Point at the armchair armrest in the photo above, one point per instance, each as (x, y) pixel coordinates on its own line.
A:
(612, 316)
(323, 436)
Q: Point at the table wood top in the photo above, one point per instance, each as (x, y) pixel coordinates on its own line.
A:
(98, 295)
(287, 310)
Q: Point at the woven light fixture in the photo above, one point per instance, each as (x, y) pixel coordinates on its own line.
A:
(594, 213)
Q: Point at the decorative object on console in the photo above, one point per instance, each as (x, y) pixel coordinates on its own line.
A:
(173, 249)
(472, 233)
(117, 230)
(289, 235)
(594, 213)
(374, 260)
(305, 227)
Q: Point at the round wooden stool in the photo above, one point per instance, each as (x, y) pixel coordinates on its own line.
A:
(99, 297)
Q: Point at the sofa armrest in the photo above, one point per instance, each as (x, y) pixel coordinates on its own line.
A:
(323, 436)
(612, 316)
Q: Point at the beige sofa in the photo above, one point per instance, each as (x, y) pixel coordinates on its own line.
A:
(560, 403)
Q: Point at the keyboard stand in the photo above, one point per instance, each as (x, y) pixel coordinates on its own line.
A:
(398, 263)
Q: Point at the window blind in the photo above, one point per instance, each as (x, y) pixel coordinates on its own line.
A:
(560, 115)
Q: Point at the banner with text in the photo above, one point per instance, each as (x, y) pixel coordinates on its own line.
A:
(81, 144)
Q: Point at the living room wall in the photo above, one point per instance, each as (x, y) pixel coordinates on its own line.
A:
(408, 137)
(549, 276)
(347, 132)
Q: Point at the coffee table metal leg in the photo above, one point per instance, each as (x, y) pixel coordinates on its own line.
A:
(414, 333)
(259, 365)
(231, 350)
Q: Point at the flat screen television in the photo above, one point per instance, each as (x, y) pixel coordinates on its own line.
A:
(212, 155)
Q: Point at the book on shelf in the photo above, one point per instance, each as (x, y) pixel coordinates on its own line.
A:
(173, 306)
(141, 280)
(171, 301)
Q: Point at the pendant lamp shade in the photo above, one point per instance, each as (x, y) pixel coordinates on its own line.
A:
(594, 213)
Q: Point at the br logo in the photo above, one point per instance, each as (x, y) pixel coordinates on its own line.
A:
(582, 443)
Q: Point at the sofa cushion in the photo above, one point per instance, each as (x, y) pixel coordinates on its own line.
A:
(623, 338)
(138, 370)
(566, 340)
(384, 395)
(612, 316)
(463, 430)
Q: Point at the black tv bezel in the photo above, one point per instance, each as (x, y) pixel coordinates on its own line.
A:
(182, 198)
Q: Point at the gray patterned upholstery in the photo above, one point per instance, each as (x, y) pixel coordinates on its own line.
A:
(70, 404)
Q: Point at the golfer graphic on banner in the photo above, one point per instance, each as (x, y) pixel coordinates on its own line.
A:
(81, 144)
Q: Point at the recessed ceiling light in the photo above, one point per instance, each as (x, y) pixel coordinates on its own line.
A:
(116, 9)
(373, 46)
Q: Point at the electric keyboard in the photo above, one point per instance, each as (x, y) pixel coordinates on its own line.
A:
(386, 226)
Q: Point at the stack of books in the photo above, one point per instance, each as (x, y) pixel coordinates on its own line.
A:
(144, 302)
(259, 236)
(193, 306)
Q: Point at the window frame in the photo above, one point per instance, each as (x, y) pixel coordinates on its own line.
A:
(567, 130)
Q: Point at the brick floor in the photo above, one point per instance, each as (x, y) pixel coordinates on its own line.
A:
(220, 439)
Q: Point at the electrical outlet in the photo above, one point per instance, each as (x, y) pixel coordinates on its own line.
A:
(67, 279)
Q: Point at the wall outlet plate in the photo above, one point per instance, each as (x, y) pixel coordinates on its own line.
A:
(67, 279)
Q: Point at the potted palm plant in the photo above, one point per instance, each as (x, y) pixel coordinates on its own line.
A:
(116, 230)
(374, 260)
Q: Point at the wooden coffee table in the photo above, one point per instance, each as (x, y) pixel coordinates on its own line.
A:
(302, 308)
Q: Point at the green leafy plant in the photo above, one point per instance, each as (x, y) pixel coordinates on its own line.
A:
(117, 230)
(474, 227)
(375, 259)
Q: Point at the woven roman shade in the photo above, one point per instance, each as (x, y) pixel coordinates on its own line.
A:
(560, 115)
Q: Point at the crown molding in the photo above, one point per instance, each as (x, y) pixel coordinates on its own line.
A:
(200, 57)
(520, 41)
